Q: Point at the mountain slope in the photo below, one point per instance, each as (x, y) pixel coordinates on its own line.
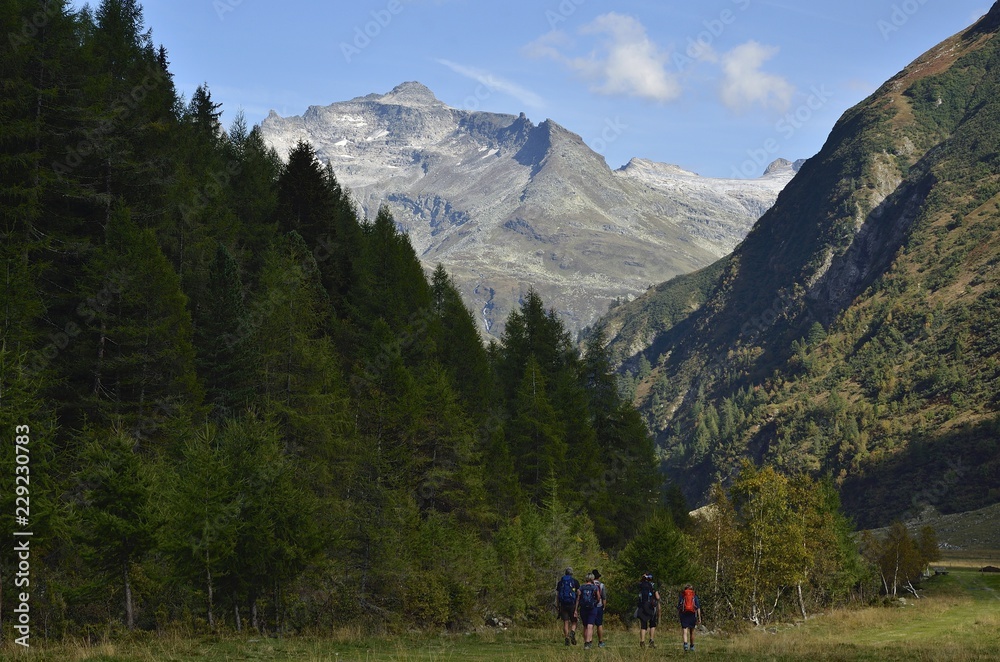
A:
(854, 331)
(506, 205)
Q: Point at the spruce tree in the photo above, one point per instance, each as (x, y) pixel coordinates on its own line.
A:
(117, 522)
(225, 338)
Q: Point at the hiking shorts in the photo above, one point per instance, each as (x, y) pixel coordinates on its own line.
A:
(648, 619)
(599, 618)
(566, 611)
(588, 616)
(689, 620)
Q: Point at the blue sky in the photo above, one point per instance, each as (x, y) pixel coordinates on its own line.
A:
(720, 87)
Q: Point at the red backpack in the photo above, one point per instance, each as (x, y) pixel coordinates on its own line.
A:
(688, 596)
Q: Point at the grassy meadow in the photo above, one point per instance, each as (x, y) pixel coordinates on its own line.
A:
(958, 618)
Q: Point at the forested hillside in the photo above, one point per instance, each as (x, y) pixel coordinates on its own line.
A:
(854, 332)
(242, 404)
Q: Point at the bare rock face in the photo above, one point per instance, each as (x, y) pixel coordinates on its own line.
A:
(508, 205)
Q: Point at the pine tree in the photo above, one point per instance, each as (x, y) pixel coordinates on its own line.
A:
(199, 505)
(225, 338)
(458, 342)
(278, 536)
(661, 549)
(136, 361)
(535, 435)
(305, 198)
(116, 518)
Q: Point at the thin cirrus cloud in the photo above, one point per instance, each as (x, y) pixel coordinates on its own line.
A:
(626, 61)
(745, 85)
(493, 82)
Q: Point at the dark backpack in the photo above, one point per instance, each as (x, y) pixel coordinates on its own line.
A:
(688, 601)
(647, 594)
(567, 590)
(588, 596)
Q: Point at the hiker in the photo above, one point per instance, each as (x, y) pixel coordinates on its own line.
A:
(587, 600)
(566, 590)
(689, 613)
(648, 611)
(599, 619)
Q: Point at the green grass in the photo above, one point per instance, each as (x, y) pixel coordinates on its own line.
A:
(957, 619)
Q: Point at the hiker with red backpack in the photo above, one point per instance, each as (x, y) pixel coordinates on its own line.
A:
(588, 599)
(689, 613)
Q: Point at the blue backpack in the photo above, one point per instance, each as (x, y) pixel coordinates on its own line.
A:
(588, 596)
(567, 590)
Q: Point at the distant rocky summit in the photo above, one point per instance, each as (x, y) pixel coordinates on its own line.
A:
(506, 204)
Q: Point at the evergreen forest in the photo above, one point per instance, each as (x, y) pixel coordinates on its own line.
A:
(245, 406)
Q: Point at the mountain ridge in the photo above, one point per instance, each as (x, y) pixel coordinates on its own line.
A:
(507, 205)
(851, 333)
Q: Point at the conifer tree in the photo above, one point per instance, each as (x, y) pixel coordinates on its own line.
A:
(458, 342)
(305, 198)
(535, 434)
(117, 523)
(225, 338)
(199, 505)
(137, 359)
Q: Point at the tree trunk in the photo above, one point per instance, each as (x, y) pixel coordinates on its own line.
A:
(277, 606)
(129, 609)
(718, 555)
(236, 609)
(100, 361)
(802, 604)
(254, 623)
(208, 577)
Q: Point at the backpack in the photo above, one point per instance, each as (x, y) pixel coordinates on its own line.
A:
(647, 594)
(567, 592)
(588, 596)
(689, 606)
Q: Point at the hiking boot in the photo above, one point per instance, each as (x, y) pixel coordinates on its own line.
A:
(586, 645)
(572, 637)
(567, 641)
(600, 644)
(642, 644)
(652, 644)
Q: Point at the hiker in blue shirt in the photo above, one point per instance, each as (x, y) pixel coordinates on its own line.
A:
(587, 600)
(566, 594)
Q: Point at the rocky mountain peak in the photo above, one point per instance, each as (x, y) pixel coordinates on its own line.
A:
(410, 93)
(507, 205)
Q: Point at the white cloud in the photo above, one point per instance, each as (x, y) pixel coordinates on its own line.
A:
(625, 63)
(745, 85)
(495, 83)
